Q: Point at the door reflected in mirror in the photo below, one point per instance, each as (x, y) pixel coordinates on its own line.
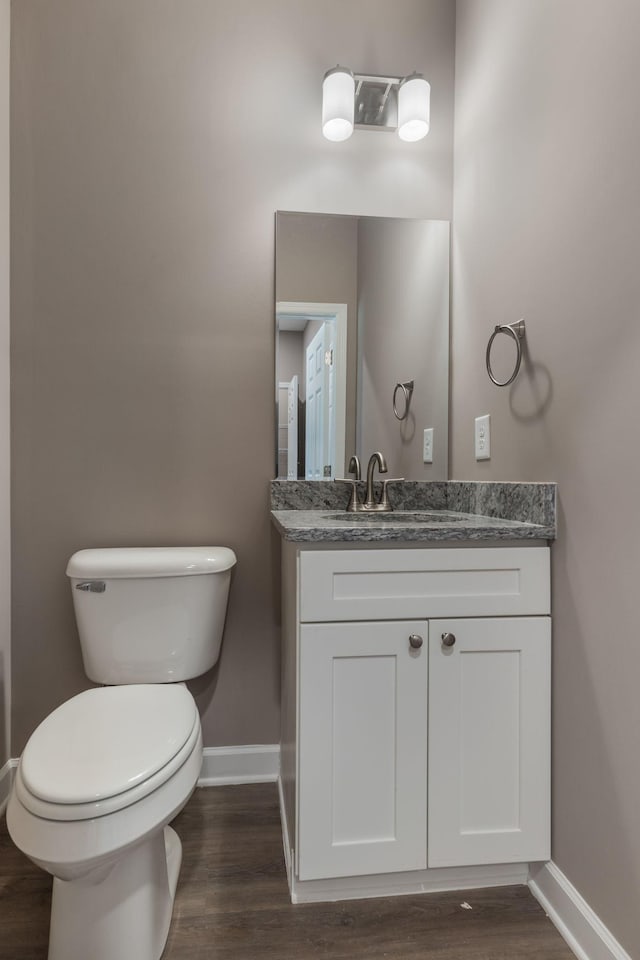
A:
(362, 304)
(312, 388)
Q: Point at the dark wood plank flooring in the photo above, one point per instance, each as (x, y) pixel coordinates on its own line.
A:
(233, 902)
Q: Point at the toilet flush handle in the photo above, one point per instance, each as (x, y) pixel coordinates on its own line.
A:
(92, 586)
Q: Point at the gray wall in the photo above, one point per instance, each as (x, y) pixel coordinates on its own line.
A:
(152, 143)
(403, 334)
(5, 557)
(547, 204)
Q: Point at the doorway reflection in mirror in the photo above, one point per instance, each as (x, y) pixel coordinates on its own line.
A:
(311, 379)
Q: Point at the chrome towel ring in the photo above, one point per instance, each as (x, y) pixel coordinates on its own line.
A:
(407, 389)
(517, 332)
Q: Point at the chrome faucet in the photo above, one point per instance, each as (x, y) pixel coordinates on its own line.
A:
(382, 505)
(370, 502)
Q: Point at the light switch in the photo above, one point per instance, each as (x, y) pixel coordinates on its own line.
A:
(427, 446)
(483, 437)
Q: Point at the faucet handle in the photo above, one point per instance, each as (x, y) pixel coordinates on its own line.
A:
(354, 505)
(384, 496)
(354, 466)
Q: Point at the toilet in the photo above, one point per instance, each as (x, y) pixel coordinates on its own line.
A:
(104, 774)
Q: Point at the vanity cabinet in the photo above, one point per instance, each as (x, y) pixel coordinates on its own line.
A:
(416, 708)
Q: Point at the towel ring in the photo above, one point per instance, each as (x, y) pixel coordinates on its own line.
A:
(517, 332)
(407, 389)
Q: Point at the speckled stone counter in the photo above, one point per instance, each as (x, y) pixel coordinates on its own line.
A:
(314, 512)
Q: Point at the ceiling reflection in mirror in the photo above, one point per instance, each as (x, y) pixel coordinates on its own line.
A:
(362, 305)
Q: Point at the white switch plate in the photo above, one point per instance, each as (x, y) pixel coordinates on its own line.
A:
(483, 437)
(427, 446)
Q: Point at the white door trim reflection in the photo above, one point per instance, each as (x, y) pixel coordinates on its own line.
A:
(292, 429)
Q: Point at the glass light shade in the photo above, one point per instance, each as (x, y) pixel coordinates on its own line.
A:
(414, 100)
(338, 97)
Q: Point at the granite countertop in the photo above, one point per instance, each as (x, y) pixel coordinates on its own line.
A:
(315, 512)
(324, 525)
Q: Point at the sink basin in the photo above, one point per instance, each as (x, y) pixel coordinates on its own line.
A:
(396, 516)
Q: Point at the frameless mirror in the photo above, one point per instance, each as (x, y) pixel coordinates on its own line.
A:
(362, 344)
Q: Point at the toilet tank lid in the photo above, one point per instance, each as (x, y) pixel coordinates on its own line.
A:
(120, 562)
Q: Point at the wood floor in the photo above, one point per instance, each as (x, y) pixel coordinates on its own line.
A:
(232, 902)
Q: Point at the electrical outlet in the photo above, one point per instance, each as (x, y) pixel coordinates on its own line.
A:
(427, 446)
(483, 437)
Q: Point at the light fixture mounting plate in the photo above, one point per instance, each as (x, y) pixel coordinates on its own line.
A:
(376, 102)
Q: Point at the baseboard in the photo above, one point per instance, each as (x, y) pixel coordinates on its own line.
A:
(286, 842)
(574, 919)
(246, 764)
(6, 780)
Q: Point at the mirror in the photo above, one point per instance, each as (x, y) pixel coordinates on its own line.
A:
(362, 308)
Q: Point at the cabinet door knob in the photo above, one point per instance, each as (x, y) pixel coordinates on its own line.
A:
(415, 641)
(448, 639)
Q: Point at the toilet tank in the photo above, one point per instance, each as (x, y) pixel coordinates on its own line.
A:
(150, 614)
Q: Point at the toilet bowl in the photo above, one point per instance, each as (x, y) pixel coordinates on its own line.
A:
(101, 777)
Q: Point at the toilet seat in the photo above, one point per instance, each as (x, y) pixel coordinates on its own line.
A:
(105, 749)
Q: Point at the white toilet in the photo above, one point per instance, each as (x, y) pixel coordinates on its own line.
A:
(102, 776)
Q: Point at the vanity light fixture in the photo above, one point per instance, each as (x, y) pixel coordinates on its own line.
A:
(371, 102)
(414, 100)
(338, 89)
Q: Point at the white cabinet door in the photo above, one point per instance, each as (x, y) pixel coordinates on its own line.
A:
(489, 718)
(362, 749)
